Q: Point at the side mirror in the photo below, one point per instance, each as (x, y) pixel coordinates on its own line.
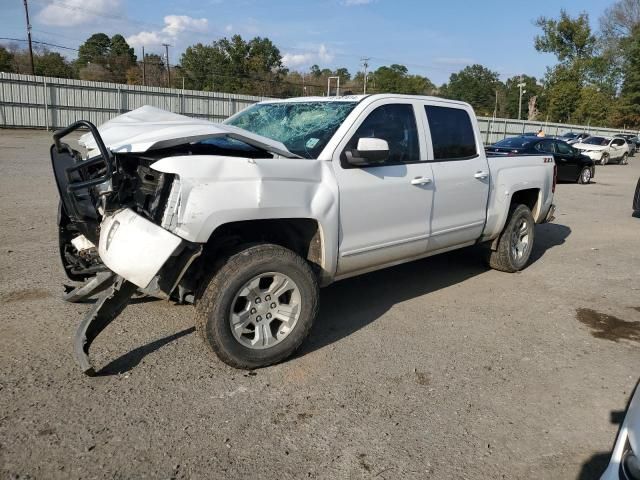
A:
(369, 151)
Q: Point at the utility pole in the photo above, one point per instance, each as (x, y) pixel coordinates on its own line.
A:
(365, 65)
(521, 86)
(26, 11)
(166, 49)
(144, 68)
(495, 108)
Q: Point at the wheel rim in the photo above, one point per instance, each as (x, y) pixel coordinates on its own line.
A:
(605, 159)
(265, 310)
(520, 239)
(586, 175)
(624, 160)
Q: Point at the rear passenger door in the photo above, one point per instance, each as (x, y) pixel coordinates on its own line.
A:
(460, 176)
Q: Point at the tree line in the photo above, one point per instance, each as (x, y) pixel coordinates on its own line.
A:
(596, 78)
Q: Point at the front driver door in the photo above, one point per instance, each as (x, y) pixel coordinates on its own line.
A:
(384, 207)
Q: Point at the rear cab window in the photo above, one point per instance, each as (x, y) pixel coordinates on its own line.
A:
(452, 133)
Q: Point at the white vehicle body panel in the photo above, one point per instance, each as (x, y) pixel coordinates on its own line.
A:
(215, 190)
(134, 247)
(368, 218)
(629, 433)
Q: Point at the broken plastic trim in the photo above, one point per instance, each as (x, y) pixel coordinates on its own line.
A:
(108, 306)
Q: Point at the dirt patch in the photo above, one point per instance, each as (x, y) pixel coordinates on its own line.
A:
(422, 378)
(25, 295)
(609, 327)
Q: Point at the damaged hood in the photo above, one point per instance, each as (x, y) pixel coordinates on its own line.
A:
(149, 128)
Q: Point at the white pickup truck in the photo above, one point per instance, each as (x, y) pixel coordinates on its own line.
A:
(248, 218)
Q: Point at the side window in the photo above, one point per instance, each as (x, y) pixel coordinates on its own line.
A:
(545, 146)
(563, 148)
(395, 123)
(452, 134)
(618, 142)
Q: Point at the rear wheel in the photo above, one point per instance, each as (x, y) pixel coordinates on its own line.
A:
(585, 176)
(625, 159)
(516, 241)
(258, 307)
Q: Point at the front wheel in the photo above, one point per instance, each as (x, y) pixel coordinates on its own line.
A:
(516, 241)
(605, 159)
(625, 159)
(585, 176)
(258, 308)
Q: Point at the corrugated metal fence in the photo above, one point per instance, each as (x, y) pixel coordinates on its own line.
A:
(44, 102)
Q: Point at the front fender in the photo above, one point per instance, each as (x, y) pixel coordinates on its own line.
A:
(218, 190)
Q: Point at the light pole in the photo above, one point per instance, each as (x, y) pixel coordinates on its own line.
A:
(521, 86)
(365, 65)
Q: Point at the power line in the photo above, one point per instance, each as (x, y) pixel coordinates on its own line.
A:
(39, 43)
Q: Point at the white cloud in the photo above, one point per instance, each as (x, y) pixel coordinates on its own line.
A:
(70, 13)
(294, 60)
(174, 26)
(353, 3)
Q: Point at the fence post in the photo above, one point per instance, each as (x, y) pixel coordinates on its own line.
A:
(46, 105)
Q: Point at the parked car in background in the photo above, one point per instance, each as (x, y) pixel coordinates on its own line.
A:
(632, 141)
(605, 149)
(625, 460)
(572, 137)
(572, 165)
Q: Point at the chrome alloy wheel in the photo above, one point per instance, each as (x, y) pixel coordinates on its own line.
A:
(586, 175)
(265, 310)
(520, 239)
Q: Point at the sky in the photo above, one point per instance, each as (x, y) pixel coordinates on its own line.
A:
(433, 39)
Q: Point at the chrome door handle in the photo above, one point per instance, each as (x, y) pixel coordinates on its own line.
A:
(420, 181)
(481, 175)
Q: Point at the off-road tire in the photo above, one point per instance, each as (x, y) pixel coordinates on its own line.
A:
(214, 304)
(502, 258)
(581, 178)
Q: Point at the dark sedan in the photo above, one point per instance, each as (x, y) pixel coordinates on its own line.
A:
(572, 165)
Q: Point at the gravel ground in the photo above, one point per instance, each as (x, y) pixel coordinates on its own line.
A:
(440, 368)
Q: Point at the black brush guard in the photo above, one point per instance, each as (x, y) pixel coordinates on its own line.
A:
(76, 179)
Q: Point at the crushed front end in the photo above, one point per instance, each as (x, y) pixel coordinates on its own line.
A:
(110, 235)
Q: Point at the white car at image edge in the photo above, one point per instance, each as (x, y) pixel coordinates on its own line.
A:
(605, 149)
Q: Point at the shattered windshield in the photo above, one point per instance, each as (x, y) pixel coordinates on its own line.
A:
(304, 128)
